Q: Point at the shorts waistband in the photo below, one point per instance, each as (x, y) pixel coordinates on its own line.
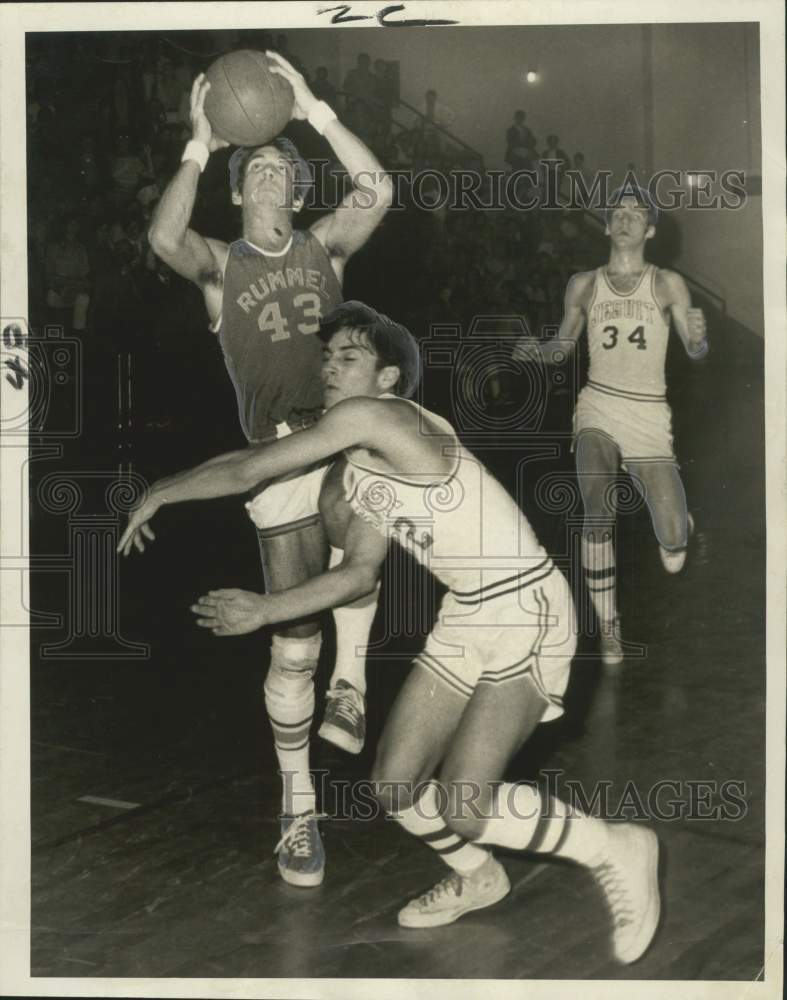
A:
(517, 581)
(635, 397)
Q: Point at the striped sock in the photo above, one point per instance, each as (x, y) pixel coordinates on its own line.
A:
(289, 700)
(423, 820)
(598, 562)
(524, 819)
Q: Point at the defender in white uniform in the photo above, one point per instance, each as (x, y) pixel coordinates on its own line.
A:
(622, 417)
(508, 612)
(494, 667)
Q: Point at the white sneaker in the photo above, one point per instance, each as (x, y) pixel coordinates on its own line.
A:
(673, 560)
(611, 645)
(457, 894)
(344, 723)
(628, 873)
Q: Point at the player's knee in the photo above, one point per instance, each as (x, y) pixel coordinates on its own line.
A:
(671, 531)
(293, 663)
(596, 498)
(395, 781)
(287, 685)
(468, 805)
(392, 791)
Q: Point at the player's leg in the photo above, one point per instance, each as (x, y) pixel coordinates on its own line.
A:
(665, 496)
(482, 809)
(422, 721)
(344, 723)
(597, 462)
(501, 640)
(290, 558)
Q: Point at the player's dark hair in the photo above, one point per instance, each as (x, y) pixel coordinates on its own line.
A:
(642, 197)
(392, 343)
(302, 175)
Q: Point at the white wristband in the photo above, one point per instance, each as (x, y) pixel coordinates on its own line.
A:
(320, 115)
(197, 151)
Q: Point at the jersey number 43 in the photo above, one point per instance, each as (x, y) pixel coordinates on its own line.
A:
(271, 320)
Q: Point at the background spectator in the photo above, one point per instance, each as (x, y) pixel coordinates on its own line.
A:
(520, 144)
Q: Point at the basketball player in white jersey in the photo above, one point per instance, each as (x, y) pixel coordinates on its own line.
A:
(495, 665)
(622, 417)
(264, 296)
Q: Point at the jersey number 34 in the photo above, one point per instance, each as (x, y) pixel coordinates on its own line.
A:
(635, 337)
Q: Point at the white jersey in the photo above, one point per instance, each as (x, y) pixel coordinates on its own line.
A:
(627, 339)
(464, 527)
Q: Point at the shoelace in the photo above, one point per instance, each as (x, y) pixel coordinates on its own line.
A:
(609, 878)
(296, 839)
(453, 884)
(344, 704)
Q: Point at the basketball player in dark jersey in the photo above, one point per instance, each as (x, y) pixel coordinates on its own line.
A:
(496, 663)
(264, 296)
(622, 417)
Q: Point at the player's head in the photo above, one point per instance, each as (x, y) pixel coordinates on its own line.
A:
(519, 117)
(366, 354)
(631, 214)
(275, 173)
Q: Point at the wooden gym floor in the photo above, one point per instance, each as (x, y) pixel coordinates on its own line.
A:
(154, 794)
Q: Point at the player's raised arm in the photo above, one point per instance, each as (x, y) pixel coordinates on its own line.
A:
(357, 421)
(347, 229)
(674, 296)
(576, 300)
(186, 252)
(235, 612)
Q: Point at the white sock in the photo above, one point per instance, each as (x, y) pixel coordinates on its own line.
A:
(422, 819)
(524, 819)
(353, 624)
(598, 562)
(289, 700)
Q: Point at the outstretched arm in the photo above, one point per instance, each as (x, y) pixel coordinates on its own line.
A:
(347, 229)
(553, 351)
(235, 612)
(674, 296)
(351, 422)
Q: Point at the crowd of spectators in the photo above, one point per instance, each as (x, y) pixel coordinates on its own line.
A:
(103, 142)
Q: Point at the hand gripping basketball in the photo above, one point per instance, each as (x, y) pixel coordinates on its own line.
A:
(200, 126)
(304, 98)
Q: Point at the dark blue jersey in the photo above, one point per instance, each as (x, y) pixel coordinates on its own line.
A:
(271, 307)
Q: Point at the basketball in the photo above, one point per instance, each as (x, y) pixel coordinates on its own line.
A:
(247, 104)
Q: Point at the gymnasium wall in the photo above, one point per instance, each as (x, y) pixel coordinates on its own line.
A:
(583, 94)
(690, 62)
(317, 47)
(660, 96)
